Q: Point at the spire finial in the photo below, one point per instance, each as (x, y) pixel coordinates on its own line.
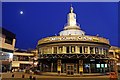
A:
(71, 9)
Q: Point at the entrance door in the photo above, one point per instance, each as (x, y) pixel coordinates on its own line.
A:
(70, 69)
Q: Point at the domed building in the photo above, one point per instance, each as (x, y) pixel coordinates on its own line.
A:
(73, 52)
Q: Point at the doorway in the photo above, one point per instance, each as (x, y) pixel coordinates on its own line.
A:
(70, 69)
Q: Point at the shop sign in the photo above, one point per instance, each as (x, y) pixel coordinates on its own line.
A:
(73, 38)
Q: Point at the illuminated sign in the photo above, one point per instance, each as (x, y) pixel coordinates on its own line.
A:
(73, 38)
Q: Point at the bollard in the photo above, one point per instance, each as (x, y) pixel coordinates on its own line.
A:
(34, 78)
(30, 77)
(80, 73)
(23, 76)
(12, 75)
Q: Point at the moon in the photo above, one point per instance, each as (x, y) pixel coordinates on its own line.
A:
(21, 12)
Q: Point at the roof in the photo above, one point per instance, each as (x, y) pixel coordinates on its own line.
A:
(7, 33)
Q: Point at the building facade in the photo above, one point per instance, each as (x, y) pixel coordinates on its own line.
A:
(22, 60)
(7, 40)
(72, 52)
(114, 52)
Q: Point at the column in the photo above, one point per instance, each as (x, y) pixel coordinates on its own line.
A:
(64, 49)
(104, 68)
(59, 66)
(57, 50)
(102, 51)
(114, 54)
(90, 68)
(51, 67)
(88, 49)
(82, 49)
(77, 49)
(109, 65)
(80, 66)
(70, 49)
(99, 50)
(52, 50)
(94, 50)
(40, 66)
(115, 67)
(13, 42)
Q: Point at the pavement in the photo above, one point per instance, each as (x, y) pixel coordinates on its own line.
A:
(119, 76)
(24, 76)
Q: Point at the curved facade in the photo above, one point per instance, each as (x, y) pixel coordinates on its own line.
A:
(73, 52)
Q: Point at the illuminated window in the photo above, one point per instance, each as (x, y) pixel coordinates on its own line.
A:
(60, 49)
(85, 49)
(80, 49)
(102, 65)
(98, 65)
(105, 65)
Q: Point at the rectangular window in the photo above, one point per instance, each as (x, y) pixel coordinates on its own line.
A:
(80, 49)
(8, 40)
(102, 65)
(67, 49)
(98, 65)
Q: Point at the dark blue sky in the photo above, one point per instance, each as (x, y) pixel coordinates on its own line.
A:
(47, 19)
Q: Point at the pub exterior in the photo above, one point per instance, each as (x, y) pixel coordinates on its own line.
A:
(72, 52)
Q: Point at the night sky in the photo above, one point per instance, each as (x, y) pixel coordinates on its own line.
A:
(39, 20)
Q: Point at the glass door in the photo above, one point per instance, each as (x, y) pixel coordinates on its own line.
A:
(70, 69)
